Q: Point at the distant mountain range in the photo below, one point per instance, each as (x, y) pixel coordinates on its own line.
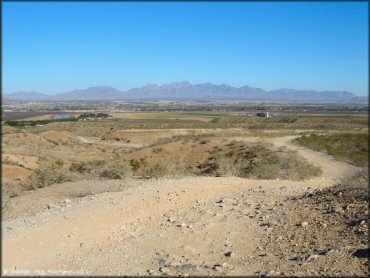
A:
(185, 90)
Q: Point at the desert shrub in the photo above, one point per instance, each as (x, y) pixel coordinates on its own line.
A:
(112, 169)
(264, 171)
(157, 150)
(49, 173)
(59, 163)
(227, 166)
(80, 167)
(158, 170)
(143, 162)
(176, 167)
(115, 170)
(135, 164)
(99, 162)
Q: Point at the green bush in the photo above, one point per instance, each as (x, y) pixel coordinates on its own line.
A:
(135, 164)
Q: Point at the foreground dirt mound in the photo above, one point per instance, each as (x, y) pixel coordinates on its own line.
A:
(321, 233)
(193, 226)
(57, 136)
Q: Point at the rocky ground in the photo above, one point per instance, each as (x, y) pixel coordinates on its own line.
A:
(196, 226)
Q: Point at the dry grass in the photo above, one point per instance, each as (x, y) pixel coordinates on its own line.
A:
(260, 162)
(352, 148)
(50, 173)
(110, 169)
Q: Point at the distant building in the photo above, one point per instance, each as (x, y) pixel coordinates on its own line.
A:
(263, 114)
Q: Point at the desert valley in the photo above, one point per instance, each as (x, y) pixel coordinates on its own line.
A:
(185, 192)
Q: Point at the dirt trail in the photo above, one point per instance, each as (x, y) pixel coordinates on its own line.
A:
(330, 166)
(128, 232)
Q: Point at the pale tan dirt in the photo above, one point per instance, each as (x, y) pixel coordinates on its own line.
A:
(14, 173)
(57, 136)
(11, 140)
(133, 222)
(31, 162)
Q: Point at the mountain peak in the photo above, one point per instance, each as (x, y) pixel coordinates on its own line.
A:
(186, 90)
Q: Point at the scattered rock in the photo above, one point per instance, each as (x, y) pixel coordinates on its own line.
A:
(217, 267)
(164, 270)
(311, 257)
(228, 254)
(361, 253)
(274, 222)
(162, 263)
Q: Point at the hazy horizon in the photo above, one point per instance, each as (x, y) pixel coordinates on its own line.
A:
(162, 84)
(58, 47)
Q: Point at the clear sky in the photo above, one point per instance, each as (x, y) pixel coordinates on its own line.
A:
(56, 47)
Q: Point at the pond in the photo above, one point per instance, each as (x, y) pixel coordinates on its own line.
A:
(62, 116)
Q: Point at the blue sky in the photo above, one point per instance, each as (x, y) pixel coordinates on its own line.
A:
(56, 47)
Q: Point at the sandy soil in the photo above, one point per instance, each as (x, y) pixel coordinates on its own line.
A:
(57, 136)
